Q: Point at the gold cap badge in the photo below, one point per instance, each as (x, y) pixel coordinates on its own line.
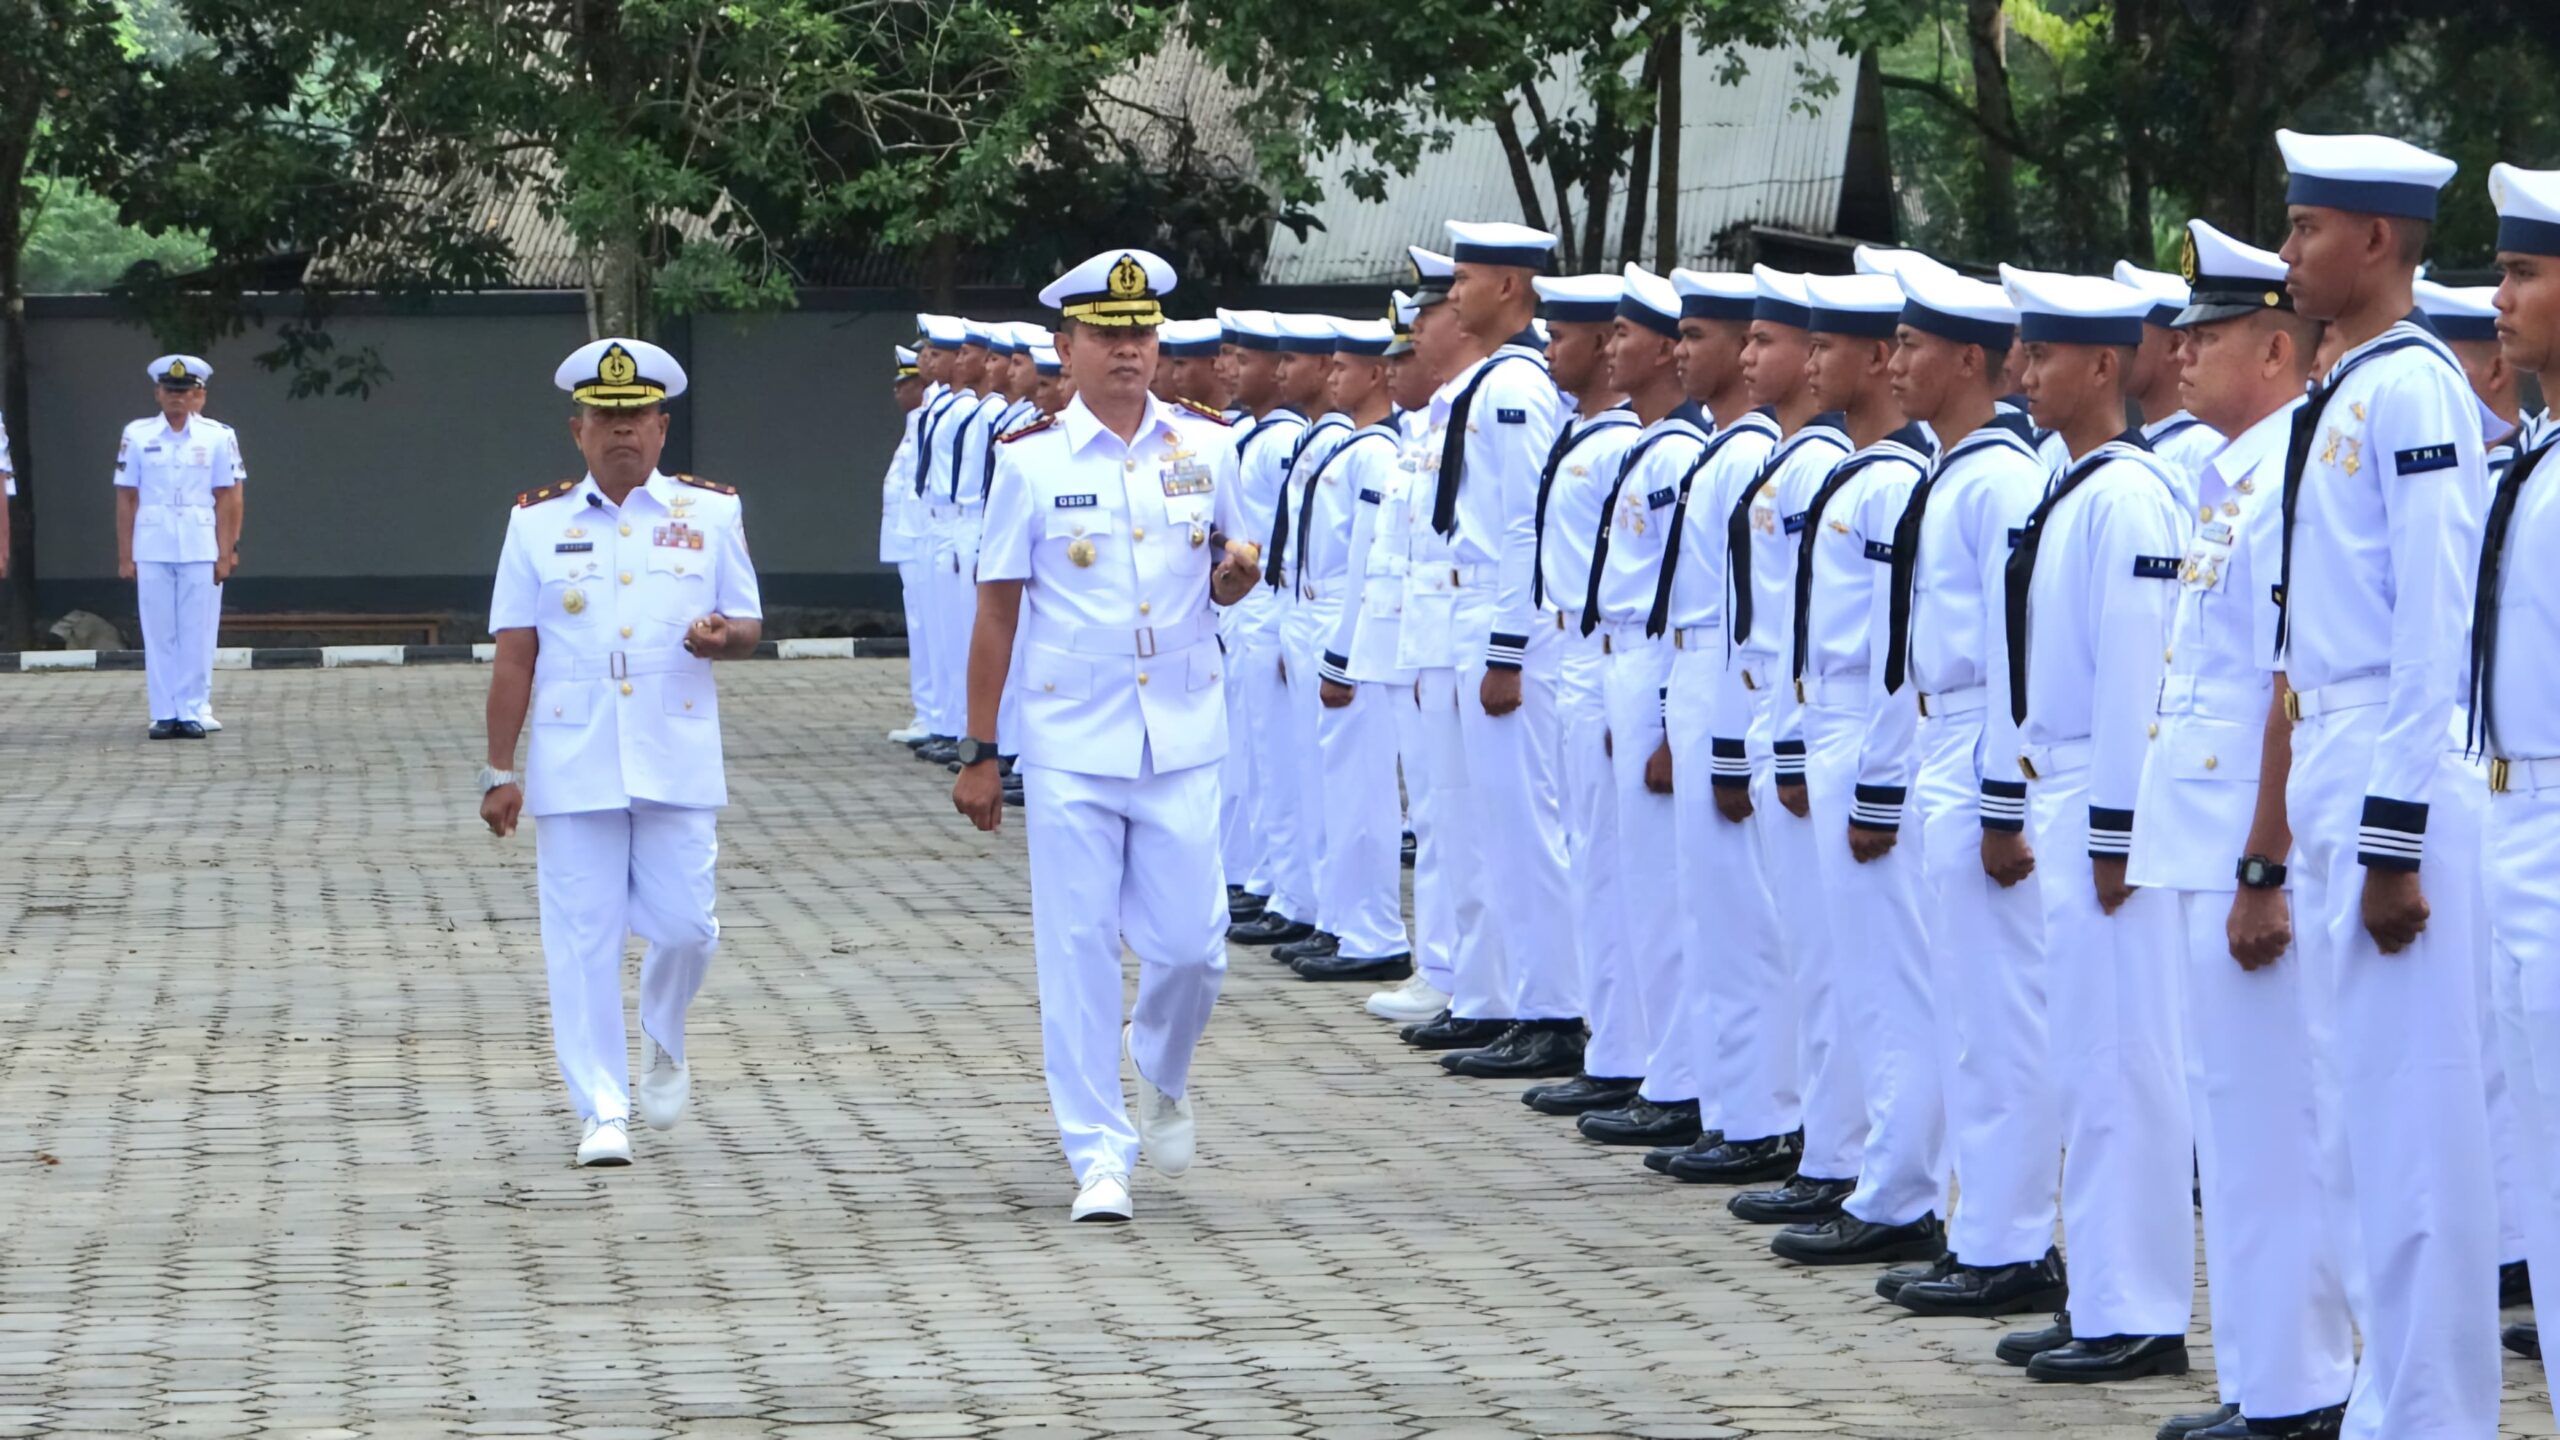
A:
(2187, 259)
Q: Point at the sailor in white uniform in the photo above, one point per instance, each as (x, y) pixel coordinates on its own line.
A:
(2086, 599)
(1258, 696)
(177, 536)
(2172, 431)
(614, 594)
(2386, 488)
(899, 523)
(1103, 527)
(938, 341)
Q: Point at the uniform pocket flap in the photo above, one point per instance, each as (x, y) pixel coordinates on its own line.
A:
(2210, 751)
(1055, 672)
(687, 696)
(1207, 666)
(562, 702)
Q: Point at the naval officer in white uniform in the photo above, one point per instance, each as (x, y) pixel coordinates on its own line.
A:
(1102, 529)
(615, 593)
(177, 526)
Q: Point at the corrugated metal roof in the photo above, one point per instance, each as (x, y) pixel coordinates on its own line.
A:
(1748, 155)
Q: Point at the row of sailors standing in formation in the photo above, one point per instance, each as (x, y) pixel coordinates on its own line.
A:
(1846, 756)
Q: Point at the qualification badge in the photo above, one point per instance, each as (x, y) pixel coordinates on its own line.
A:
(574, 600)
(1081, 552)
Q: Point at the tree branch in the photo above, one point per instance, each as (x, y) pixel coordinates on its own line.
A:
(1962, 109)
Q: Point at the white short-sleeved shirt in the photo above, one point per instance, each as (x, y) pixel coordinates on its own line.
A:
(177, 472)
(620, 711)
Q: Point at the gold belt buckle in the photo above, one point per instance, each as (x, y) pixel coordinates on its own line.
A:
(1679, 639)
(2027, 768)
(1924, 705)
(1559, 619)
(1454, 582)
(1749, 681)
(1604, 644)
(1800, 692)
(2498, 776)
(2293, 705)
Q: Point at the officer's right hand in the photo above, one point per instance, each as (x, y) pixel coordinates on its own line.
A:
(2006, 857)
(500, 807)
(1793, 797)
(124, 570)
(1334, 695)
(979, 794)
(2260, 928)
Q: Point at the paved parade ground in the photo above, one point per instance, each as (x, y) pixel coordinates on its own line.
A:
(282, 1150)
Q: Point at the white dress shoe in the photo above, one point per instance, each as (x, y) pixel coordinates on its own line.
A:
(663, 1089)
(607, 1142)
(208, 722)
(1414, 1001)
(1164, 1124)
(1104, 1198)
(909, 734)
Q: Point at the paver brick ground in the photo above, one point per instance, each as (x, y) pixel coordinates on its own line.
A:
(285, 1153)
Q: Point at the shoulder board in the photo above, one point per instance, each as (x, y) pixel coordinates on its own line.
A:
(714, 486)
(547, 492)
(1034, 428)
(1203, 411)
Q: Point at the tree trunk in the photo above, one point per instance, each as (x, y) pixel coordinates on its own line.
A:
(1597, 184)
(1639, 181)
(17, 143)
(1524, 181)
(1568, 252)
(1987, 26)
(617, 266)
(1666, 168)
(2134, 52)
(621, 287)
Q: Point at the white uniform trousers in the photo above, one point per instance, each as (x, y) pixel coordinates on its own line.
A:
(1650, 877)
(212, 641)
(2281, 1340)
(1121, 862)
(1304, 776)
(1286, 867)
(1435, 896)
(955, 618)
(2404, 1126)
(1512, 762)
(913, 578)
(1359, 877)
(177, 658)
(2506, 1121)
(605, 876)
(1238, 842)
(1611, 1003)
(2115, 1014)
(2522, 856)
(1879, 959)
(1987, 970)
(1480, 981)
(1746, 1037)
(1835, 1102)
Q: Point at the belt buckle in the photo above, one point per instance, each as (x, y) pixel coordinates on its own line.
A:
(1749, 680)
(618, 666)
(2498, 776)
(1146, 642)
(1924, 704)
(1679, 639)
(1800, 692)
(2293, 705)
(1559, 620)
(1604, 642)
(2027, 768)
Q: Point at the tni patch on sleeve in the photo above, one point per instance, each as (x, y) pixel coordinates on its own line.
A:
(2423, 459)
(1661, 497)
(1512, 416)
(1880, 551)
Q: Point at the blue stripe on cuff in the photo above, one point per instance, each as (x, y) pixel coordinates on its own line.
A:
(1876, 807)
(2004, 805)
(2393, 835)
(2110, 833)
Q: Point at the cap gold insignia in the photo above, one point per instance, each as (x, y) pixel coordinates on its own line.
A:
(2187, 259)
(574, 601)
(1081, 552)
(2273, 299)
(178, 370)
(1128, 279)
(617, 367)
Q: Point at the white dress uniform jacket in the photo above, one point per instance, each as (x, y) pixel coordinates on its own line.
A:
(177, 472)
(1505, 412)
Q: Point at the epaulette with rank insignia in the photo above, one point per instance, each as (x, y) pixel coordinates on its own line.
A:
(714, 486)
(1034, 428)
(1204, 412)
(547, 492)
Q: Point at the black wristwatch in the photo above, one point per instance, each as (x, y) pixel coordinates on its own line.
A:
(973, 750)
(2257, 872)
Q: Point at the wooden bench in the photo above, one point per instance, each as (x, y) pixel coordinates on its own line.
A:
(429, 628)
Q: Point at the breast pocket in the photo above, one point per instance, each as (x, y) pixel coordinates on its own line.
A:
(1079, 535)
(570, 596)
(680, 589)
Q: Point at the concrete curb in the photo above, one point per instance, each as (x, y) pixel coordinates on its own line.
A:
(366, 657)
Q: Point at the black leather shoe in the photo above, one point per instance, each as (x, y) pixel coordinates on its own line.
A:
(1642, 1123)
(1245, 905)
(1506, 1041)
(938, 752)
(1890, 1283)
(1844, 1239)
(1581, 1095)
(1536, 1049)
(1741, 1162)
(190, 730)
(2179, 1427)
(2023, 1289)
(2524, 1339)
(1659, 1158)
(1269, 928)
(2111, 1357)
(1451, 1033)
(2515, 1284)
(1318, 944)
(2020, 1346)
(1332, 966)
(1801, 1201)
(2314, 1425)
(164, 729)
(2235, 1428)
(920, 742)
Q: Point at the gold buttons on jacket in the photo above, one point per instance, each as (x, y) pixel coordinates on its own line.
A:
(626, 632)
(2210, 763)
(626, 577)
(2155, 730)
(1146, 607)
(1142, 677)
(679, 568)
(626, 529)
(1049, 685)
(1139, 533)
(2168, 655)
(626, 687)
(1130, 464)
(688, 704)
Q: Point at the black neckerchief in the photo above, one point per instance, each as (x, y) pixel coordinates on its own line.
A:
(1908, 440)
(1689, 413)
(2484, 598)
(1307, 509)
(1569, 437)
(2021, 574)
(1658, 619)
(924, 434)
(1453, 447)
(2004, 431)
(1280, 503)
(1737, 526)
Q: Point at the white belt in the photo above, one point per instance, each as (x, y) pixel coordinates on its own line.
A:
(1620, 636)
(614, 665)
(2522, 777)
(1463, 576)
(1951, 704)
(2219, 699)
(184, 512)
(1756, 674)
(2043, 762)
(1702, 637)
(1568, 622)
(1143, 642)
(1832, 691)
(2353, 693)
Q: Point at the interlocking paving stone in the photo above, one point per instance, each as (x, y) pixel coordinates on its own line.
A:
(290, 1157)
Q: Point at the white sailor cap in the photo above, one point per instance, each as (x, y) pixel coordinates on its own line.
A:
(1115, 288)
(1539, 332)
(1885, 260)
(1938, 301)
(1045, 361)
(180, 372)
(1304, 334)
(2074, 309)
(2370, 174)
(620, 374)
(2464, 313)
(1714, 294)
(2168, 293)
(1651, 302)
(1867, 306)
(1005, 338)
(2528, 204)
(1432, 274)
(1249, 329)
(1499, 242)
(1363, 337)
(906, 363)
(946, 331)
(1188, 339)
(1579, 299)
(974, 332)
(2227, 279)
(1778, 297)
